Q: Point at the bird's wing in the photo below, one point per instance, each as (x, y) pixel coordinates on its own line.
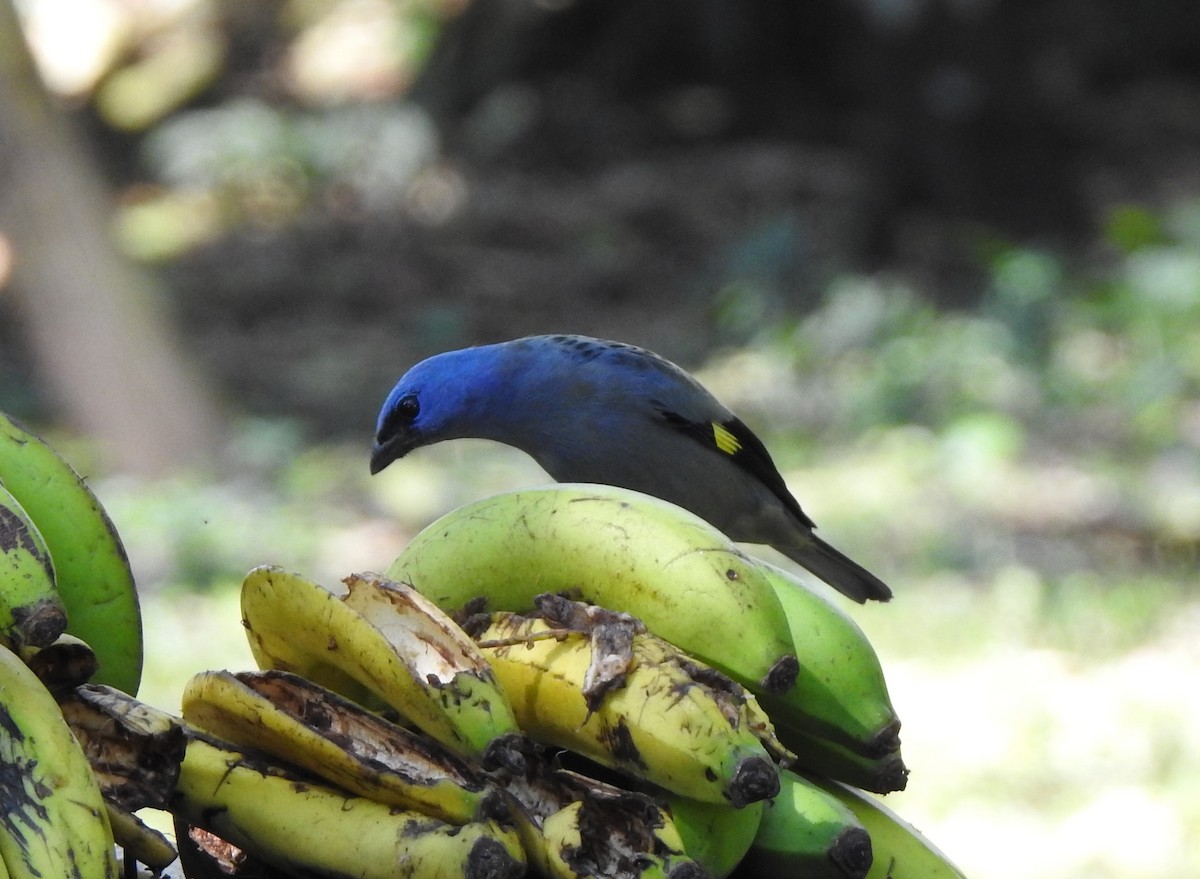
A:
(733, 439)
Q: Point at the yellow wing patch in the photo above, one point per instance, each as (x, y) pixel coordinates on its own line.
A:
(726, 441)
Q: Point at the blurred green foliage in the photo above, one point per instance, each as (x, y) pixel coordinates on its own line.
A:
(1054, 427)
(1105, 354)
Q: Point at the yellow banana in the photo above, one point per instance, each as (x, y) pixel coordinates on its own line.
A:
(139, 842)
(92, 572)
(425, 672)
(62, 665)
(293, 719)
(576, 827)
(901, 851)
(807, 832)
(618, 549)
(30, 610)
(306, 828)
(581, 841)
(840, 693)
(716, 836)
(53, 822)
(664, 725)
(817, 755)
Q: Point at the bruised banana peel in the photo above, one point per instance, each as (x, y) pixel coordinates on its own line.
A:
(295, 720)
(307, 828)
(428, 675)
(663, 725)
(31, 612)
(576, 827)
(54, 822)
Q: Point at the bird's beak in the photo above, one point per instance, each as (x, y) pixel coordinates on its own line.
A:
(385, 451)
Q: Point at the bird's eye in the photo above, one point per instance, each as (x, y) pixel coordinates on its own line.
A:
(408, 407)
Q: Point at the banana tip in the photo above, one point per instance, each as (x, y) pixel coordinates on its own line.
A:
(755, 778)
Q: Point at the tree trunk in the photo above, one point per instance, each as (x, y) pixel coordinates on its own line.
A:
(95, 320)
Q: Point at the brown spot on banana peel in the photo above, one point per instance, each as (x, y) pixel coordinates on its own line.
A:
(489, 859)
(15, 535)
(619, 742)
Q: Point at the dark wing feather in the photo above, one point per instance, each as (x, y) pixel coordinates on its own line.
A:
(734, 440)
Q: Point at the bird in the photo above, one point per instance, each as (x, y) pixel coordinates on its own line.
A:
(596, 411)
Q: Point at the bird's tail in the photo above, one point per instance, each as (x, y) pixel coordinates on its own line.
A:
(839, 571)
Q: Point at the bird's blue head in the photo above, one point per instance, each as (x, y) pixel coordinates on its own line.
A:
(447, 396)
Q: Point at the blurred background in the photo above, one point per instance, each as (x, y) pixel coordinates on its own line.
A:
(944, 255)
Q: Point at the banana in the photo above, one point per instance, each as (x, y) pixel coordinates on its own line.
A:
(54, 822)
(619, 549)
(716, 836)
(901, 851)
(306, 828)
(295, 720)
(572, 851)
(139, 842)
(92, 572)
(808, 832)
(576, 827)
(63, 665)
(665, 725)
(134, 748)
(30, 610)
(840, 693)
(880, 775)
(423, 667)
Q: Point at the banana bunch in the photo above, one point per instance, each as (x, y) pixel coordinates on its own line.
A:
(572, 682)
(738, 669)
(273, 811)
(69, 613)
(509, 674)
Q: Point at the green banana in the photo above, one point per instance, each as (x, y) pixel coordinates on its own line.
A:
(31, 612)
(618, 549)
(840, 693)
(293, 719)
(92, 572)
(715, 836)
(901, 851)
(423, 666)
(807, 832)
(880, 775)
(306, 828)
(665, 725)
(54, 822)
